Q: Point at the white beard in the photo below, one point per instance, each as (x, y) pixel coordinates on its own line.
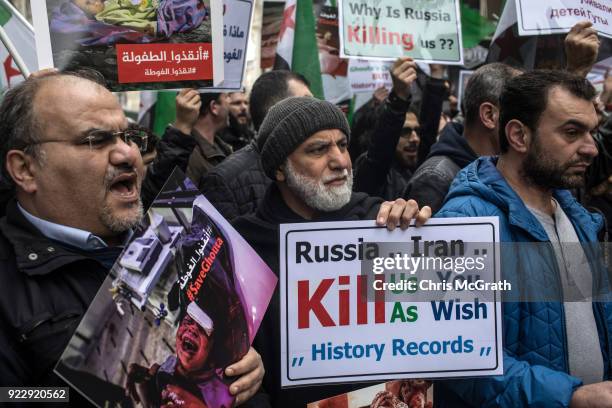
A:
(315, 193)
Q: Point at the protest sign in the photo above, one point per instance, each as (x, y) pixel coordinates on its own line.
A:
(400, 394)
(237, 15)
(464, 77)
(367, 76)
(429, 31)
(333, 68)
(183, 301)
(135, 45)
(342, 321)
(558, 16)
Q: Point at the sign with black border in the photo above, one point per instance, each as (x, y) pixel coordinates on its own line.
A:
(320, 306)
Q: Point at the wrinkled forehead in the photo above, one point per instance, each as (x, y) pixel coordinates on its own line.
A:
(74, 105)
(238, 97)
(562, 106)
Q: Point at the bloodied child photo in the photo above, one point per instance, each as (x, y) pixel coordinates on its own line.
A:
(183, 302)
(134, 44)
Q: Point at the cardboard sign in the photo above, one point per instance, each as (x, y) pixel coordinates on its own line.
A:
(558, 16)
(429, 31)
(340, 323)
(135, 45)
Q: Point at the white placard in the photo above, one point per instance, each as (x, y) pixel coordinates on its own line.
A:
(331, 334)
(236, 28)
(559, 16)
(464, 77)
(425, 30)
(367, 76)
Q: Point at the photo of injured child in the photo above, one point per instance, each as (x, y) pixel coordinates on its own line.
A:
(188, 378)
(181, 304)
(415, 393)
(85, 33)
(212, 332)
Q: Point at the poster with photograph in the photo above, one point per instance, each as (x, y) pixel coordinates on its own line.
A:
(416, 393)
(183, 302)
(134, 44)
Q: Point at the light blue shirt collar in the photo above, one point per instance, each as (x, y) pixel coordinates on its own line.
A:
(67, 235)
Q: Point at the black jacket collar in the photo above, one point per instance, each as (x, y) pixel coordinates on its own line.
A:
(35, 254)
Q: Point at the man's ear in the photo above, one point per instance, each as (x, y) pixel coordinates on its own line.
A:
(213, 107)
(280, 173)
(20, 167)
(518, 136)
(489, 115)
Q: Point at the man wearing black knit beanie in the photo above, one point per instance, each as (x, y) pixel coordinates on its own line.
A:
(305, 154)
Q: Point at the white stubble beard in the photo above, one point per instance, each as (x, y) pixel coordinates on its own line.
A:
(315, 193)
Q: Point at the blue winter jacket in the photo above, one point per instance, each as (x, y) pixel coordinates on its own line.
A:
(535, 347)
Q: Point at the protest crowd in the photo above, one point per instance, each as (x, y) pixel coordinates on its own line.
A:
(528, 146)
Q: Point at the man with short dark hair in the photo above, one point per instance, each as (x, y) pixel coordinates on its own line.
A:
(556, 339)
(459, 144)
(236, 186)
(306, 157)
(239, 132)
(203, 116)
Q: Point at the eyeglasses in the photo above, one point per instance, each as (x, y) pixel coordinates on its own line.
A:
(100, 139)
(407, 131)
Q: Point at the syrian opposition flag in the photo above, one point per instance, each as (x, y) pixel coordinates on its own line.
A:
(21, 34)
(157, 110)
(531, 52)
(297, 48)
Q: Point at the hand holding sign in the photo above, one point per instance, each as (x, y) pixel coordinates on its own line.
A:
(403, 74)
(251, 369)
(188, 104)
(581, 48)
(401, 212)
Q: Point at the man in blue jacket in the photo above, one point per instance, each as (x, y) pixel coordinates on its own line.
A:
(556, 351)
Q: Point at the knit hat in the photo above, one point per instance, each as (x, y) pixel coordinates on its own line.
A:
(290, 122)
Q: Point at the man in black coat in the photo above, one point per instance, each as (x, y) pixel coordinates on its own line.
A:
(76, 172)
(306, 157)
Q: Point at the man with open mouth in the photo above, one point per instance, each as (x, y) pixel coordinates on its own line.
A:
(76, 171)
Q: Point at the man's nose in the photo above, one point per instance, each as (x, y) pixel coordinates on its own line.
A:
(589, 147)
(124, 153)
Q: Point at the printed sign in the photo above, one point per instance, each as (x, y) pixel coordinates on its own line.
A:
(183, 301)
(237, 15)
(367, 76)
(464, 77)
(361, 303)
(426, 30)
(559, 16)
(134, 44)
(396, 394)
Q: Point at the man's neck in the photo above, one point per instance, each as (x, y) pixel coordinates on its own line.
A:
(479, 141)
(109, 238)
(206, 128)
(532, 195)
(295, 203)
